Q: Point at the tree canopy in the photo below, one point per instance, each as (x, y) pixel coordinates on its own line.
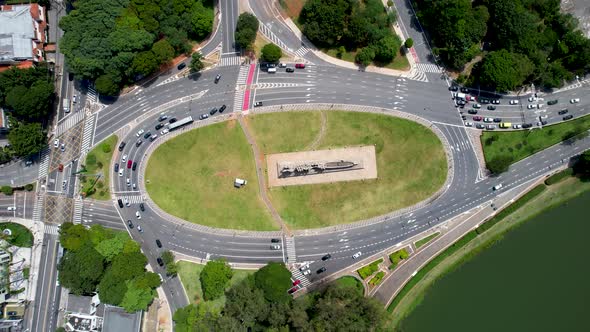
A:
(274, 280)
(26, 139)
(214, 279)
(246, 30)
(271, 53)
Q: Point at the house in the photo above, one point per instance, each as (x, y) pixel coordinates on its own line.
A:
(22, 34)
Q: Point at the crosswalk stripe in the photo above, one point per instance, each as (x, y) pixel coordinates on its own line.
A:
(92, 94)
(51, 229)
(419, 76)
(133, 199)
(428, 68)
(78, 204)
(243, 75)
(38, 209)
(69, 122)
(238, 100)
(266, 31)
(290, 246)
(88, 132)
(230, 61)
(44, 164)
(302, 51)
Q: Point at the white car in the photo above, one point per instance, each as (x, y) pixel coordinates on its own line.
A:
(63, 147)
(306, 272)
(543, 116)
(357, 255)
(134, 186)
(11, 208)
(121, 171)
(139, 229)
(498, 186)
(138, 215)
(304, 267)
(531, 99)
(124, 158)
(164, 132)
(64, 184)
(56, 143)
(127, 202)
(575, 100)
(540, 105)
(513, 102)
(140, 132)
(468, 124)
(516, 126)
(488, 120)
(530, 106)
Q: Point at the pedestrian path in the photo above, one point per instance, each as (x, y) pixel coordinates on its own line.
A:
(133, 199)
(281, 85)
(238, 100)
(290, 247)
(78, 204)
(38, 209)
(243, 75)
(87, 137)
(419, 76)
(428, 68)
(301, 52)
(267, 32)
(231, 60)
(51, 229)
(68, 122)
(92, 94)
(44, 162)
(298, 275)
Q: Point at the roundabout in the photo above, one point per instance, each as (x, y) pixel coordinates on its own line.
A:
(191, 175)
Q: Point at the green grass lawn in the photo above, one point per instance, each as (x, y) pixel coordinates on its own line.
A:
(97, 162)
(425, 240)
(353, 282)
(521, 144)
(191, 176)
(21, 236)
(411, 166)
(367, 270)
(400, 62)
(189, 274)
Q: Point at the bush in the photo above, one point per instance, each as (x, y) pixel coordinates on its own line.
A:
(106, 148)
(7, 190)
(246, 30)
(271, 53)
(365, 56)
(398, 256)
(376, 280)
(214, 279)
(341, 52)
(500, 164)
(555, 178)
(368, 270)
(409, 43)
(29, 186)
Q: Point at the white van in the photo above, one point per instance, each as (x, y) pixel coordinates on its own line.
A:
(66, 105)
(272, 70)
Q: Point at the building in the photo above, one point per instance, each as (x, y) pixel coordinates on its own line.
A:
(22, 34)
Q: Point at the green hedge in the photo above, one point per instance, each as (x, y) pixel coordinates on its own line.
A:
(511, 208)
(425, 240)
(367, 271)
(553, 179)
(398, 256)
(376, 280)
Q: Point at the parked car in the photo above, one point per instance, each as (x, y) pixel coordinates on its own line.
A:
(465, 90)
(357, 255)
(468, 124)
(222, 108)
(491, 107)
(513, 102)
(60, 167)
(213, 111)
(562, 112)
(527, 125)
(490, 127)
(496, 101)
(477, 118)
(480, 126)
(326, 257)
(568, 117)
(488, 120)
(453, 88)
(575, 100)
(56, 143)
(472, 111)
(63, 147)
(497, 120)
(484, 101)
(476, 106)
(552, 102)
(516, 126)
(300, 65)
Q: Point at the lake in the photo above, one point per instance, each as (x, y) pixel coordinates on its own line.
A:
(537, 278)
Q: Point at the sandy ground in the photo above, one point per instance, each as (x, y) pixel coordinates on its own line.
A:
(365, 155)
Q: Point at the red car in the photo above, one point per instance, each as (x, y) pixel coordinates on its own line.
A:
(129, 163)
(292, 290)
(300, 65)
(296, 282)
(477, 118)
(60, 167)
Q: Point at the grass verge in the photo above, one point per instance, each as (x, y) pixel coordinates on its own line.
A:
(20, 235)
(191, 176)
(471, 244)
(367, 270)
(376, 280)
(523, 143)
(95, 181)
(411, 165)
(557, 177)
(397, 257)
(351, 282)
(189, 274)
(425, 240)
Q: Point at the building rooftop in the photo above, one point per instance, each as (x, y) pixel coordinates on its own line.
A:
(116, 319)
(21, 32)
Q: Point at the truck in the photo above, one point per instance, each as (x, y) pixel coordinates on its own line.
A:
(66, 105)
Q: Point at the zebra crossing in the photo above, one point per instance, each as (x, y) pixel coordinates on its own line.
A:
(133, 199)
(243, 75)
(238, 100)
(429, 68)
(281, 85)
(301, 52)
(92, 94)
(419, 76)
(44, 163)
(69, 121)
(267, 32)
(78, 205)
(298, 275)
(290, 246)
(38, 209)
(51, 229)
(232, 60)
(88, 133)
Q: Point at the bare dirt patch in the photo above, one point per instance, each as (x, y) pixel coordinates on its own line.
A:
(292, 8)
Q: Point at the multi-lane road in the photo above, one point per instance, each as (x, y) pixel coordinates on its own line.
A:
(319, 83)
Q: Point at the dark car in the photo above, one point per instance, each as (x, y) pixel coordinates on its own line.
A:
(543, 122)
(134, 167)
(484, 101)
(146, 135)
(461, 102)
(158, 243)
(491, 108)
(159, 126)
(275, 240)
(129, 223)
(472, 111)
(258, 104)
(222, 108)
(477, 118)
(116, 167)
(213, 111)
(162, 117)
(120, 203)
(292, 290)
(552, 102)
(122, 146)
(562, 112)
(181, 66)
(290, 69)
(217, 78)
(453, 88)
(479, 126)
(322, 269)
(463, 117)
(141, 207)
(497, 119)
(568, 117)
(527, 125)
(464, 90)
(160, 261)
(172, 120)
(326, 257)
(138, 143)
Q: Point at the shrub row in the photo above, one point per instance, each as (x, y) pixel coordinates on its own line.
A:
(425, 240)
(553, 179)
(8, 190)
(399, 255)
(368, 270)
(376, 280)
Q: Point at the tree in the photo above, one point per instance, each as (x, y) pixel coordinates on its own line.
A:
(504, 71)
(499, 164)
(73, 237)
(274, 280)
(136, 298)
(29, 186)
(246, 30)
(145, 63)
(26, 139)
(32, 103)
(324, 22)
(582, 166)
(80, 271)
(107, 85)
(246, 303)
(409, 43)
(386, 49)
(110, 248)
(111, 288)
(163, 51)
(127, 266)
(6, 190)
(365, 56)
(196, 62)
(202, 20)
(389, 3)
(271, 53)
(168, 258)
(214, 279)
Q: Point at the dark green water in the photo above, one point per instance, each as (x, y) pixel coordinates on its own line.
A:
(536, 279)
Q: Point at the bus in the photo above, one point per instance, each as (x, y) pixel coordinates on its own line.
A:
(180, 123)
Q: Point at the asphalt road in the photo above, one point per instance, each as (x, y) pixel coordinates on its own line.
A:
(23, 201)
